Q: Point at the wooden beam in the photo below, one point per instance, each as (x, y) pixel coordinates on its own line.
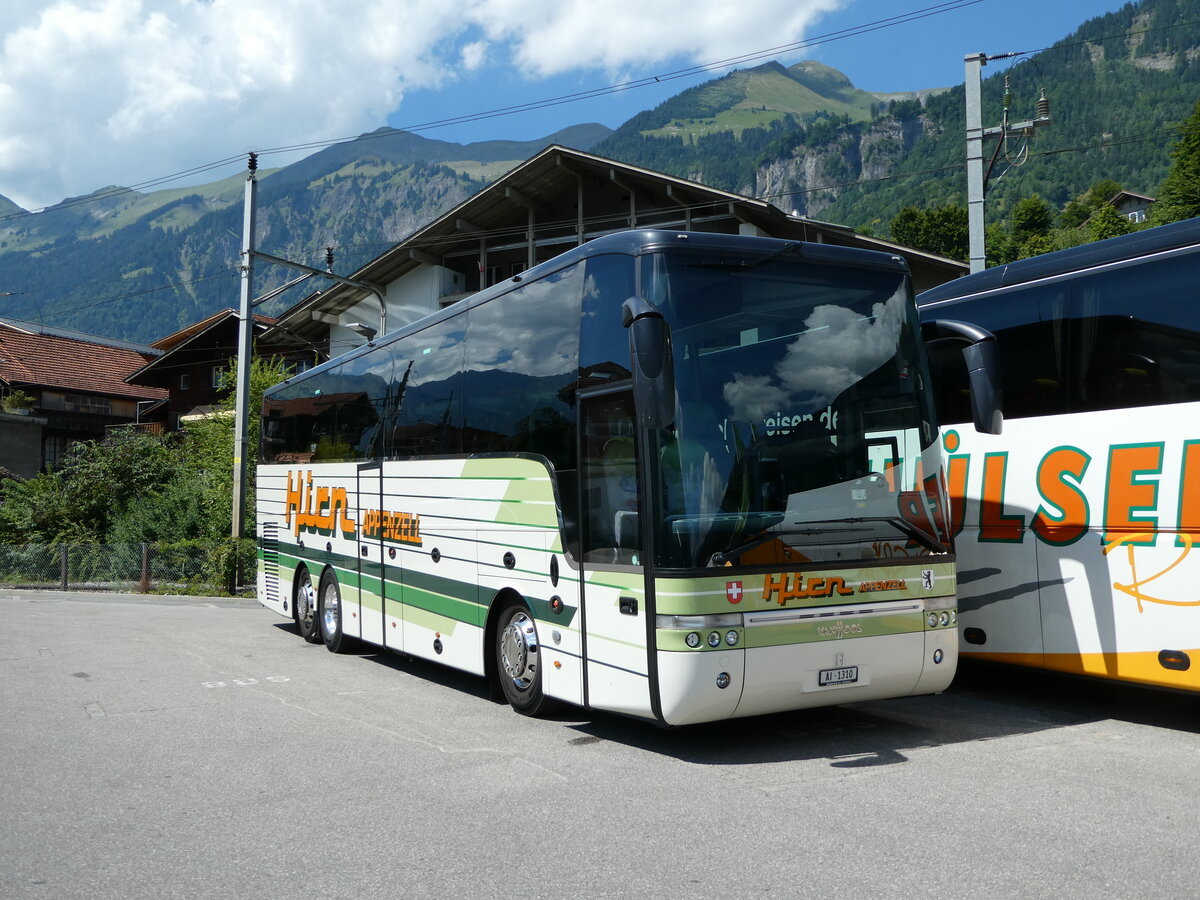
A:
(523, 200)
(424, 258)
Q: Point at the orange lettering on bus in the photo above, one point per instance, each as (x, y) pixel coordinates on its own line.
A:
(1127, 493)
(956, 471)
(1189, 496)
(1063, 519)
(994, 524)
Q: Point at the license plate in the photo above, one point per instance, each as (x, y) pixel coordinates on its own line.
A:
(844, 675)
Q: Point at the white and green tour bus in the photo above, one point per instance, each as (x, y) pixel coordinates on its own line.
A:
(678, 476)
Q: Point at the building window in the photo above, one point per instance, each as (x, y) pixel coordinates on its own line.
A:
(54, 448)
(218, 373)
(185, 381)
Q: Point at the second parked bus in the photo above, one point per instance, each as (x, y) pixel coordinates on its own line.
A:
(1075, 530)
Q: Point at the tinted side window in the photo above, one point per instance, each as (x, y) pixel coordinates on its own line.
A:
(335, 415)
(1136, 335)
(426, 389)
(522, 363)
(1031, 345)
(604, 349)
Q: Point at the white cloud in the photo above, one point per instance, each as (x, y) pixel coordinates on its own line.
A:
(553, 36)
(94, 92)
(473, 55)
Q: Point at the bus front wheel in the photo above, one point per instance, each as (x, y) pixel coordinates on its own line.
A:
(329, 615)
(304, 607)
(518, 660)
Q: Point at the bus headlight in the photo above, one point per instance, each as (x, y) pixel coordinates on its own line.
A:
(697, 630)
(945, 618)
(932, 620)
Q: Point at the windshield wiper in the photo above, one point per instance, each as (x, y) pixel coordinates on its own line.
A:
(819, 527)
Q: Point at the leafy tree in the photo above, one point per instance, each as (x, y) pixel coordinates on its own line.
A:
(135, 486)
(1031, 217)
(1036, 245)
(1106, 222)
(1179, 195)
(999, 245)
(942, 230)
(210, 448)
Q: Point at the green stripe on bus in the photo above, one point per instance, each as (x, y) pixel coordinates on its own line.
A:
(450, 597)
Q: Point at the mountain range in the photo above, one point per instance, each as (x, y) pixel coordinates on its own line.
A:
(139, 265)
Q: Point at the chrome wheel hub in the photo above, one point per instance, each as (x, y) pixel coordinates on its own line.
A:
(519, 650)
(329, 610)
(306, 600)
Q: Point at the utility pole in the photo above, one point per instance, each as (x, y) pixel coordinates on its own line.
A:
(245, 344)
(245, 348)
(977, 178)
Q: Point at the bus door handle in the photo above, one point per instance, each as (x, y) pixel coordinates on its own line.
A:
(628, 606)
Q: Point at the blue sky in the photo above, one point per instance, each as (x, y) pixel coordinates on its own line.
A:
(923, 53)
(126, 92)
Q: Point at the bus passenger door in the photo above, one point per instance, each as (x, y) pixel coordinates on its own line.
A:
(372, 575)
(614, 594)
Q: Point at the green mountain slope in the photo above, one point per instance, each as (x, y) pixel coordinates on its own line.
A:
(758, 97)
(139, 266)
(1118, 86)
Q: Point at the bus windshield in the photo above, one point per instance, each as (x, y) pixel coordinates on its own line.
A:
(802, 414)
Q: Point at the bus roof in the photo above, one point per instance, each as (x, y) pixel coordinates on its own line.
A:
(1127, 246)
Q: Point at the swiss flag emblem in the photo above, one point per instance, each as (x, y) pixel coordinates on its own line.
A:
(733, 591)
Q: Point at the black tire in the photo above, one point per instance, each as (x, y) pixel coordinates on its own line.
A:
(329, 615)
(519, 660)
(304, 607)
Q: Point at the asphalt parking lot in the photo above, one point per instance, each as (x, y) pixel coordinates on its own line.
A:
(174, 747)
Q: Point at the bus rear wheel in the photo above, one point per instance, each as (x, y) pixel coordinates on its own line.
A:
(519, 661)
(329, 615)
(304, 607)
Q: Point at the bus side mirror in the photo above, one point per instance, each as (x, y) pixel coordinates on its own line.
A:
(653, 366)
(983, 369)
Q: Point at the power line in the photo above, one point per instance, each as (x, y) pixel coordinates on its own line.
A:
(593, 93)
(849, 32)
(532, 106)
(520, 230)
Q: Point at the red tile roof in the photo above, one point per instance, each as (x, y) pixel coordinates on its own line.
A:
(54, 361)
(171, 341)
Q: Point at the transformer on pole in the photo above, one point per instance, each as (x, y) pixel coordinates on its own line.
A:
(977, 178)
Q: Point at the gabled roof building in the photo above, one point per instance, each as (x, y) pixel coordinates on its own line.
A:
(78, 390)
(552, 202)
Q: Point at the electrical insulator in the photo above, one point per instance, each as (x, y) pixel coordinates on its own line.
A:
(1043, 106)
(1007, 94)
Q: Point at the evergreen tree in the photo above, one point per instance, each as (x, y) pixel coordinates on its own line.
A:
(1179, 196)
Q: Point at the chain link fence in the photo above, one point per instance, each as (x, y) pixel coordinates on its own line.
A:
(189, 567)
